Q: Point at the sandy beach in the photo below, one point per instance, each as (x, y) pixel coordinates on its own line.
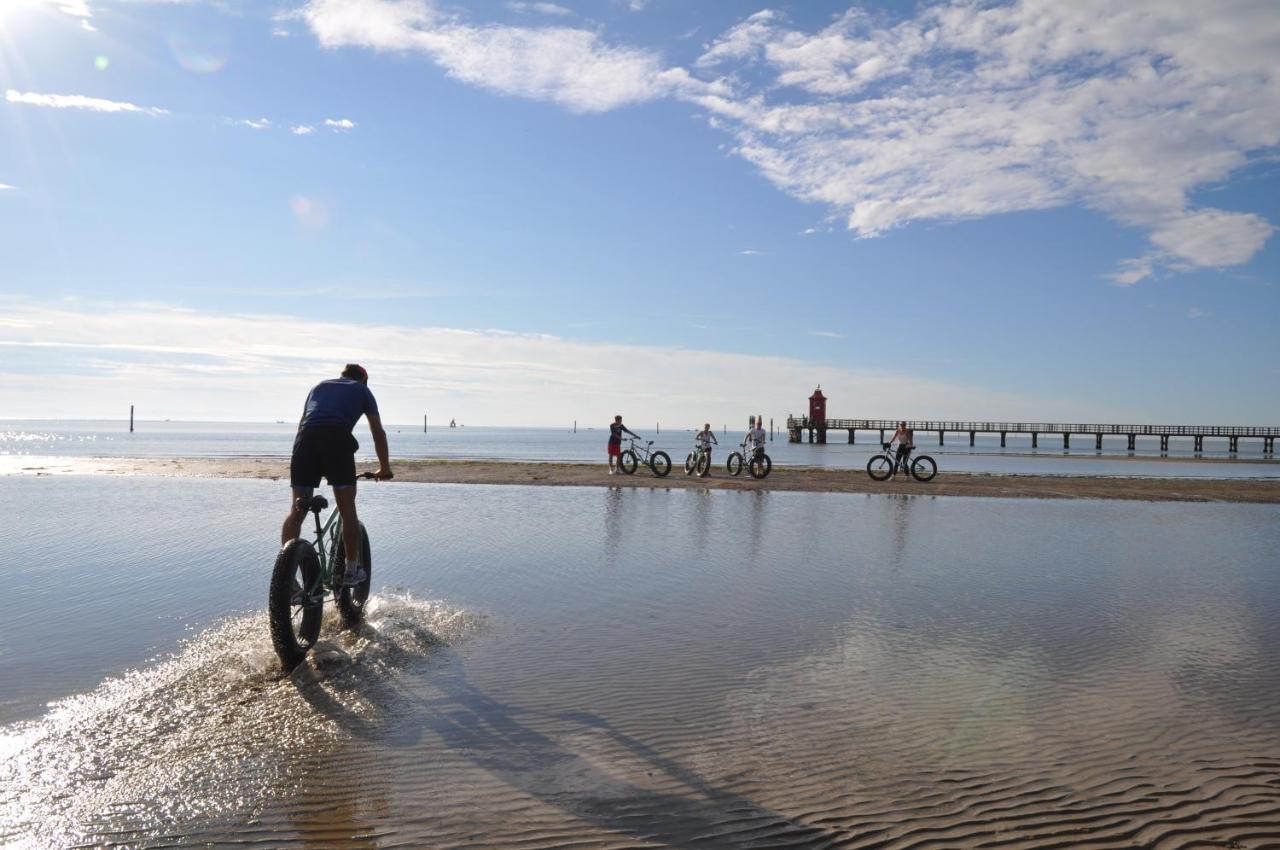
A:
(804, 479)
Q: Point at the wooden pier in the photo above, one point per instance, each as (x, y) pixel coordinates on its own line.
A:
(798, 427)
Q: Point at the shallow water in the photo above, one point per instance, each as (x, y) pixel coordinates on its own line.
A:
(24, 443)
(644, 668)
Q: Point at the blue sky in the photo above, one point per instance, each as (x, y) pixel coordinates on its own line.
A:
(527, 213)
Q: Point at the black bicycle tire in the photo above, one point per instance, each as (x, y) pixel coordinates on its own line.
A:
(691, 462)
(703, 467)
(877, 472)
(922, 459)
(296, 557)
(351, 600)
(758, 462)
(660, 464)
(734, 464)
(627, 462)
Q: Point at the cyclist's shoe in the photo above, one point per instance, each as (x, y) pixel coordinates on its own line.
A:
(354, 576)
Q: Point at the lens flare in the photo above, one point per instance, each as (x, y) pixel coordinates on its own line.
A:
(204, 54)
(310, 212)
(102, 63)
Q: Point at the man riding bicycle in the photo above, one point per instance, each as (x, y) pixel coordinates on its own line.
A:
(905, 438)
(325, 446)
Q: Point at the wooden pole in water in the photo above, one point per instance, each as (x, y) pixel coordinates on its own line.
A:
(771, 429)
(131, 419)
(424, 423)
(575, 426)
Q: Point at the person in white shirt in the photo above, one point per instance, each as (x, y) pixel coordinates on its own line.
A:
(706, 438)
(756, 435)
(905, 438)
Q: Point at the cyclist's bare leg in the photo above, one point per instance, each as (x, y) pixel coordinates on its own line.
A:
(293, 521)
(346, 499)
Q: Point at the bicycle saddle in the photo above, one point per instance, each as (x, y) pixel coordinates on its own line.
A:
(316, 504)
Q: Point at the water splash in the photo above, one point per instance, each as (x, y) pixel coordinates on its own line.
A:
(208, 733)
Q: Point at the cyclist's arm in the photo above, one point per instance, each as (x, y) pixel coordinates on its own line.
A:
(629, 431)
(379, 445)
(713, 437)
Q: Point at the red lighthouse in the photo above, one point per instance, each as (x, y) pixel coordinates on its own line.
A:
(818, 409)
(818, 415)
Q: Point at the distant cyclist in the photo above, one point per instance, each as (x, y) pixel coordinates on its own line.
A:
(905, 437)
(615, 441)
(756, 435)
(706, 439)
(324, 446)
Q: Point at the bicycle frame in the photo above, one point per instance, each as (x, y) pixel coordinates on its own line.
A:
(332, 530)
(643, 453)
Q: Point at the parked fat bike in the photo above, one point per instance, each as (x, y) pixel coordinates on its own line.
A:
(306, 575)
(659, 462)
(754, 460)
(882, 467)
(698, 462)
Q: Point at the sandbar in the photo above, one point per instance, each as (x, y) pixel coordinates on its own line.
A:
(804, 479)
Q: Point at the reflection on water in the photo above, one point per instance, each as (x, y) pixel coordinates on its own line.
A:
(624, 668)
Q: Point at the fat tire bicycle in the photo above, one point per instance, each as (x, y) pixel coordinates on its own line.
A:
(698, 462)
(758, 466)
(882, 467)
(304, 576)
(659, 462)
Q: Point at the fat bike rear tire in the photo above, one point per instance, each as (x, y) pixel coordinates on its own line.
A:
(923, 468)
(760, 467)
(660, 463)
(351, 600)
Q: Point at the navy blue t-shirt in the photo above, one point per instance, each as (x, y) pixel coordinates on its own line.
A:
(337, 403)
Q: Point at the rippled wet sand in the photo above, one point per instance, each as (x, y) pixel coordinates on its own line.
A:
(622, 668)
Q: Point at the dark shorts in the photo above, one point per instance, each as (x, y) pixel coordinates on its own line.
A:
(615, 449)
(330, 452)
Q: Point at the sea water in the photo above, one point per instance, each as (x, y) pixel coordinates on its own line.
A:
(631, 667)
(34, 439)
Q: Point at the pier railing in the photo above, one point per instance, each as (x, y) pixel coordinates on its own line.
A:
(796, 426)
(1045, 427)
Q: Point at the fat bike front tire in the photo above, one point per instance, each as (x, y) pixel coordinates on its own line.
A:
(691, 463)
(760, 467)
(923, 468)
(295, 603)
(627, 462)
(880, 467)
(734, 464)
(660, 464)
(351, 600)
(703, 466)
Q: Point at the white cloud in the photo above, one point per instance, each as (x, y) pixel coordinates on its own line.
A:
(572, 67)
(340, 124)
(76, 101)
(4, 186)
(750, 252)
(540, 8)
(256, 124)
(969, 110)
(1195, 313)
(827, 334)
(963, 110)
(302, 129)
(179, 362)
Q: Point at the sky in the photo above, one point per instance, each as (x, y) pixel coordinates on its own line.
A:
(530, 213)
